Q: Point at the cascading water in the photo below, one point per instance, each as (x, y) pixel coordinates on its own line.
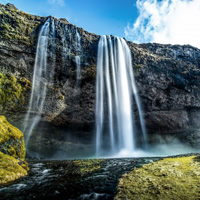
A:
(78, 59)
(115, 89)
(41, 78)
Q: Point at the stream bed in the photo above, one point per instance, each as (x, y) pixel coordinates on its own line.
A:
(66, 180)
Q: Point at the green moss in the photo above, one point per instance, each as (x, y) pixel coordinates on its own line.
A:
(6, 27)
(61, 97)
(7, 37)
(13, 91)
(12, 152)
(11, 168)
(88, 166)
(170, 178)
(139, 66)
(11, 140)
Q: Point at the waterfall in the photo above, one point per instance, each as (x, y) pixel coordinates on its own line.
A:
(77, 58)
(42, 76)
(115, 91)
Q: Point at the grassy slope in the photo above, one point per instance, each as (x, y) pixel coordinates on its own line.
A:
(170, 178)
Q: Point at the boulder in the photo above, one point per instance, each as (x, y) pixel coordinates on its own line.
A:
(12, 152)
(10, 169)
(11, 140)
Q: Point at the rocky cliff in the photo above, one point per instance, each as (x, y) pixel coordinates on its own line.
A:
(167, 76)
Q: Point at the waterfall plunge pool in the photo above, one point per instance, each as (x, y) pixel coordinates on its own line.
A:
(72, 179)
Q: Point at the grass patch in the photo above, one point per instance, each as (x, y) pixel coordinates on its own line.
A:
(11, 168)
(88, 166)
(170, 178)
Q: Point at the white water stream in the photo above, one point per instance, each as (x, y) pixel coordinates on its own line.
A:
(115, 91)
(41, 77)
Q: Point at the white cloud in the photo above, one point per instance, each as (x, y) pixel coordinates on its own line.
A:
(166, 21)
(58, 2)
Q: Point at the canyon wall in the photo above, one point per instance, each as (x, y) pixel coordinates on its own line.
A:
(167, 77)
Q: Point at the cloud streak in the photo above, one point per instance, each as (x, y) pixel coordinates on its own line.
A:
(167, 21)
(58, 2)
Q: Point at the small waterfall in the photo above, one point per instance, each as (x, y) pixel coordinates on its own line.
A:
(78, 58)
(53, 50)
(66, 41)
(115, 91)
(42, 75)
(78, 41)
(78, 70)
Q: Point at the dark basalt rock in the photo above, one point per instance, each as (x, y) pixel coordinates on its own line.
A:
(167, 76)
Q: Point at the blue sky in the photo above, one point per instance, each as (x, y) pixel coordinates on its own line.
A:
(96, 16)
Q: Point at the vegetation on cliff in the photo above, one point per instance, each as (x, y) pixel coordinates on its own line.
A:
(13, 91)
(12, 152)
(170, 178)
(17, 25)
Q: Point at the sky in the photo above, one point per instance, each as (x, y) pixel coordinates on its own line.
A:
(140, 21)
(166, 21)
(103, 17)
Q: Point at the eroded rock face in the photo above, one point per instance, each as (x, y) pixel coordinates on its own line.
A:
(167, 76)
(168, 80)
(64, 104)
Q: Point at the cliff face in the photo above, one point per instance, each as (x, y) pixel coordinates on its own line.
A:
(167, 76)
(18, 40)
(169, 83)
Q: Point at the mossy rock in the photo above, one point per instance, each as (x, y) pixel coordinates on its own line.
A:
(11, 168)
(170, 178)
(13, 91)
(11, 140)
(88, 166)
(17, 26)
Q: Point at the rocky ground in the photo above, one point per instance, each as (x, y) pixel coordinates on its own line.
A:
(126, 178)
(71, 179)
